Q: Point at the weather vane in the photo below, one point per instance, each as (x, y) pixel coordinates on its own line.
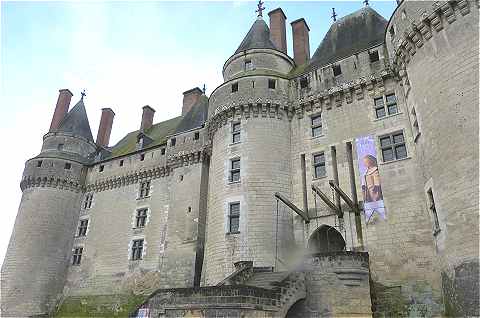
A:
(83, 93)
(260, 8)
(204, 89)
(365, 2)
(334, 15)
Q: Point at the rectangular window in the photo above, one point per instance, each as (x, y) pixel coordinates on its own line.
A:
(144, 189)
(433, 210)
(319, 165)
(392, 104)
(87, 204)
(68, 166)
(162, 151)
(337, 70)
(234, 217)
(196, 136)
(272, 83)
(82, 227)
(304, 82)
(141, 218)
(248, 65)
(137, 249)
(316, 125)
(235, 132)
(379, 107)
(121, 163)
(234, 87)
(234, 170)
(39, 163)
(393, 147)
(373, 56)
(101, 168)
(142, 157)
(77, 255)
(416, 127)
(173, 142)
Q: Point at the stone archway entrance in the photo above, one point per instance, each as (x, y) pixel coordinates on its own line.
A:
(326, 239)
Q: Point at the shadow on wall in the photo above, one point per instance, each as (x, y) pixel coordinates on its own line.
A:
(326, 239)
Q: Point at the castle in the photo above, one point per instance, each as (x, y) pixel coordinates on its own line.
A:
(339, 184)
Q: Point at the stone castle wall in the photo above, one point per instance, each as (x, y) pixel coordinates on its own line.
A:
(434, 47)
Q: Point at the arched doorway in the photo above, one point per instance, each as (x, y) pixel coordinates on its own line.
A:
(326, 239)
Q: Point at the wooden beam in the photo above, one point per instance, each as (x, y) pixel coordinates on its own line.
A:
(343, 195)
(327, 201)
(293, 207)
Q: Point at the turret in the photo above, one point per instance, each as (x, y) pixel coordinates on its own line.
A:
(39, 251)
(250, 146)
(433, 47)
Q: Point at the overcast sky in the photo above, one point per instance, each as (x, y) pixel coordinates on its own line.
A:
(125, 55)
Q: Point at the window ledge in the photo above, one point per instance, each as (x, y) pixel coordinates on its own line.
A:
(235, 143)
(189, 241)
(234, 182)
(232, 233)
(80, 236)
(317, 137)
(388, 116)
(396, 160)
(143, 198)
(319, 178)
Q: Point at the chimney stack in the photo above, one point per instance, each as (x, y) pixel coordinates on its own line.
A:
(190, 98)
(301, 43)
(61, 109)
(105, 127)
(147, 118)
(278, 33)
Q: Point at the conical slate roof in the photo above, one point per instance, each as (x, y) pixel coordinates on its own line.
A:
(257, 38)
(76, 122)
(355, 32)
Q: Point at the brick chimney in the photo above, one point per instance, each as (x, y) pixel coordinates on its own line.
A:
(61, 109)
(278, 33)
(301, 43)
(105, 127)
(190, 98)
(147, 118)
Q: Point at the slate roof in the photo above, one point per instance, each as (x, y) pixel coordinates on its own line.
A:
(353, 33)
(257, 38)
(160, 132)
(76, 122)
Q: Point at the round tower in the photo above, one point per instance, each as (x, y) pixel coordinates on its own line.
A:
(250, 160)
(434, 49)
(39, 251)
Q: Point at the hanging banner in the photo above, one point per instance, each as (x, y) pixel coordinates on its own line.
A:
(371, 185)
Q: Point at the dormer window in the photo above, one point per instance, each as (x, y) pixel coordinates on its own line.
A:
(337, 70)
(373, 56)
(304, 82)
(248, 65)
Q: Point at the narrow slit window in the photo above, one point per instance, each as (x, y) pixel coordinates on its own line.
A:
(142, 157)
(433, 210)
(162, 151)
(316, 125)
(173, 142)
(39, 163)
(101, 168)
(234, 217)
(196, 136)
(236, 133)
(121, 163)
(141, 218)
(272, 83)
(234, 170)
(234, 87)
(144, 189)
(319, 165)
(82, 228)
(137, 249)
(77, 255)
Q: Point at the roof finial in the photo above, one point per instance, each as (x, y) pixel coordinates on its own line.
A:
(334, 15)
(365, 2)
(83, 94)
(260, 8)
(204, 89)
